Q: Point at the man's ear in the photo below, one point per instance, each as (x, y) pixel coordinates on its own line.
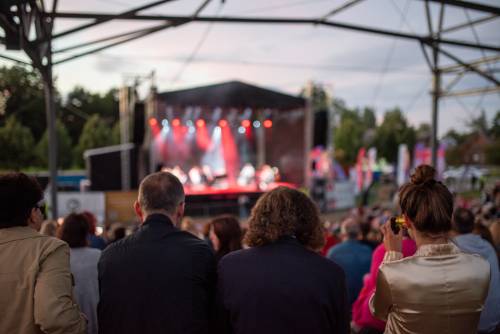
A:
(138, 211)
(179, 213)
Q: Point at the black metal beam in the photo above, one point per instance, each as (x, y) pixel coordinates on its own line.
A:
(271, 20)
(468, 24)
(468, 66)
(116, 16)
(138, 34)
(100, 40)
(469, 5)
(19, 61)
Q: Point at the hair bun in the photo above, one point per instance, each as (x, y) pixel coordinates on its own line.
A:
(422, 174)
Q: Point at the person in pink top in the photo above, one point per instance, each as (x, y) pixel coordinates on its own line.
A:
(361, 316)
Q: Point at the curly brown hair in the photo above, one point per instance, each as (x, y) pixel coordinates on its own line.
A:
(285, 212)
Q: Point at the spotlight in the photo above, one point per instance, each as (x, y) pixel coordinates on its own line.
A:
(268, 123)
(164, 123)
(200, 123)
(242, 130)
(153, 122)
(176, 122)
(223, 123)
(246, 123)
(256, 124)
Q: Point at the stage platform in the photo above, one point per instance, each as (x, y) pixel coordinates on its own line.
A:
(211, 201)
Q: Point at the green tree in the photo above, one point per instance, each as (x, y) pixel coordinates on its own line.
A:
(17, 143)
(81, 104)
(479, 124)
(369, 119)
(495, 127)
(22, 95)
(493, 153)
(393, 131)
(96, 133)
(115, 134)
(317, 94)
(64, 148)
(424, 133)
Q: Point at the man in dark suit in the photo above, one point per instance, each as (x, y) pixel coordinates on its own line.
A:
(160, 279)
(282, 285)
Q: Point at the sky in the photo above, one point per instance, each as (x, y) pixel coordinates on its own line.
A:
(362, 69)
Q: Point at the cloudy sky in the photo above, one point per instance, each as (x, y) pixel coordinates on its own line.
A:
(363, 69)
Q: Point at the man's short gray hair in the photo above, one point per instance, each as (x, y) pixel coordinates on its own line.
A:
(351, 228)
(161, 191)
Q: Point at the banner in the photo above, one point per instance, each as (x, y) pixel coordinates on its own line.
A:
(76, 202)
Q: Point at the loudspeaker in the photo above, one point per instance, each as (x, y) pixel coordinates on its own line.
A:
(320, 128)
(104, 167)
(138, 126)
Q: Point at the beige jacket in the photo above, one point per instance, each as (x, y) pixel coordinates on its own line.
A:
(439, 290)
(36, 285)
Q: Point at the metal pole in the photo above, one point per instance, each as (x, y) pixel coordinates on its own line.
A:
(50, 108)
(436, 87)
(125, 137)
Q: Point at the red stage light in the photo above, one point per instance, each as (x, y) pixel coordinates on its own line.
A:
(176, 122)
(223, 123)
(153, 122)
(268, 123)
(200, 123)
(246, 123)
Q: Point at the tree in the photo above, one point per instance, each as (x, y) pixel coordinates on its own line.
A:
(22, 95)
(393, 131)
(495, 127)
(17, 143)
(317, 94)
(81, 105)
(64, 148)
(369, 119)
(96, 133)
(424, 133)
(347, 140)
(479, 124)
(493, 153)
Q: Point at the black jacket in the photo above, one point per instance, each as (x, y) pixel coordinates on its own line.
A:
(281, 288)
(158, 280)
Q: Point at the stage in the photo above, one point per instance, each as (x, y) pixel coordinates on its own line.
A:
(237, 200)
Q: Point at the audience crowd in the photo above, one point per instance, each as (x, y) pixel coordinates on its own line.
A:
(284, 270)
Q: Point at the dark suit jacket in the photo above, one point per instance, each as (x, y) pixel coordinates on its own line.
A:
(158, 280)
(281, 288)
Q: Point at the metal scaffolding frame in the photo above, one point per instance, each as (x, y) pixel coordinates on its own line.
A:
(23, 19)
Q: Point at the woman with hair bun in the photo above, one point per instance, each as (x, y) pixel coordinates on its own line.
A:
(440, 289)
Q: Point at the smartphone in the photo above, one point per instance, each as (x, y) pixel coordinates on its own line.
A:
(397, 223)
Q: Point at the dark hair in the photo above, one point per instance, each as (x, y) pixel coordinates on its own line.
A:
(463, 221)
(427, 202)
(285, 212)
(484, 233)
(228, 231)
(19, 194)
(161, 191)
(91, 220)
(74, 230)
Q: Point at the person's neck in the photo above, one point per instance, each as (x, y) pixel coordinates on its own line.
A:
(423, 239)
(163, 213)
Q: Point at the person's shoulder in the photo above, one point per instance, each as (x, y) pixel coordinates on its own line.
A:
(364, 248)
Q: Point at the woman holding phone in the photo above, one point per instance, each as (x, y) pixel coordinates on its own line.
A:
(439, 289)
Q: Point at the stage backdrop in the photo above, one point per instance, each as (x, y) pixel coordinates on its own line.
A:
(226, 126)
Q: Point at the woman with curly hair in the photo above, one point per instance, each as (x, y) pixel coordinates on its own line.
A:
(281, 284)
